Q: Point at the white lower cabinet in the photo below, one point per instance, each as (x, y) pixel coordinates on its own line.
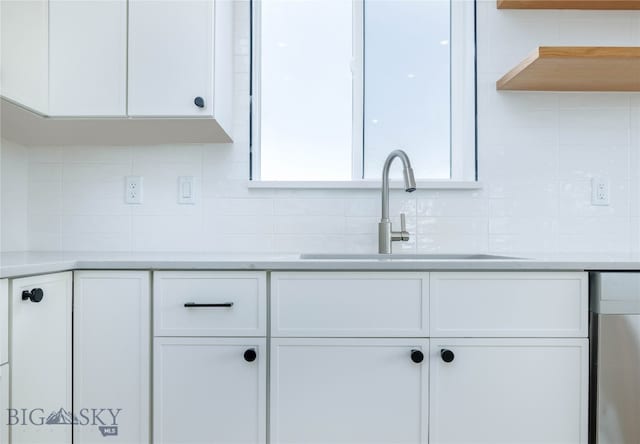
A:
(511, 391)
(4, 404)
(209, 390)
(4, 321)
(112, 352)
(349, 391)
(332, 378)
(41, 359)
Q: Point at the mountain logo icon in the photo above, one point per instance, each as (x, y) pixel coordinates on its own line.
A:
(61, 417)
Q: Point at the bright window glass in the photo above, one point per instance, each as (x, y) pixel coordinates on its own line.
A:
(407, 87)
(338, 84)
(306, 89)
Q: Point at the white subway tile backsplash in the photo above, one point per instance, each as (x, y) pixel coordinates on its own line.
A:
(223, 225)
(44, 172)
(524, 245)
(452, 207)
(531, 225)
(310, 224)
(238, 207)
(362, 225)
(96, 242)
(44, 198)
(243, 243)
(75, 173)
(452, 226)
(310, 207)
(95, 224)
(167, 233)
(461, 244)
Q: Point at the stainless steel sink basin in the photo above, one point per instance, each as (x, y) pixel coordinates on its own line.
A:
(408, 257)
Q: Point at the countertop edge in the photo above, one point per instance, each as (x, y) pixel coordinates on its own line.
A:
(54, 266)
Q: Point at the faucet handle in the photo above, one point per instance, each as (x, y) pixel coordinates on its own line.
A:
(403, 222)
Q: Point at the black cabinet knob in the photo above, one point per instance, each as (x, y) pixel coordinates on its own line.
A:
(417, 356)
(250, 355)
(447, 355)
(34, 295)
(199, 102)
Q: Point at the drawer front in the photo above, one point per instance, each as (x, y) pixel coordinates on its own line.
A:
(505, 304)
(209, 303)
(344, 304)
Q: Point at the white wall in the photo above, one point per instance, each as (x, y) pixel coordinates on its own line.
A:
(537, 153)
(13, 196)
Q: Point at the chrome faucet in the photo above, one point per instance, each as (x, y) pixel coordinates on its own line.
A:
(386, 235)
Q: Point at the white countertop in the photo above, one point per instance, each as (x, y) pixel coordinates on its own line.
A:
(28, 263)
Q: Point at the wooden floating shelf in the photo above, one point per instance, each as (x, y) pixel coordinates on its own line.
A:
(570, 4)
(571, 68)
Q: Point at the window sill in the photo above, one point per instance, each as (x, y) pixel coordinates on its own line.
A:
(363, 184)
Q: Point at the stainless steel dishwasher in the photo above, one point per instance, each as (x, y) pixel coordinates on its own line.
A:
(615, 358)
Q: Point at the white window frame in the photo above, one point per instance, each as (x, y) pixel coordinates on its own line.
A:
(463, 167)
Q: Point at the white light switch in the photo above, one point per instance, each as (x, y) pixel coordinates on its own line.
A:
(186, 192)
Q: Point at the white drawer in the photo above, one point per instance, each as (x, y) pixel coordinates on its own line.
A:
(345, 304)
(240, 299)
(506, 304)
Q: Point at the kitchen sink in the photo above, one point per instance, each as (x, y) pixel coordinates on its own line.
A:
(408, 257)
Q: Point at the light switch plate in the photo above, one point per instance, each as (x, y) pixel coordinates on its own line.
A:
(186, 190)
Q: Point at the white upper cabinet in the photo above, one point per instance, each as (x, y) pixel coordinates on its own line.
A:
(134, 59)
(171, 58)
(24, 56)
(87, 58)
(180, 59)
(65, 58)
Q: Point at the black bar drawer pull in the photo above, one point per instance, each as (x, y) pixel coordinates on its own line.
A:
(222, 305)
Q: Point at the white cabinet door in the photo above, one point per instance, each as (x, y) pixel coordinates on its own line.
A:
(24, 53)
(112, 342)
(209, 390)
(4, 404)
(4, 321)
(171, 50)
(508, 391)
(41, 359)
(349, 391)
(87, 58)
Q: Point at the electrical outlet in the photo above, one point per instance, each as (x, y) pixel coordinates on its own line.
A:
(599, 191)
(133, 190)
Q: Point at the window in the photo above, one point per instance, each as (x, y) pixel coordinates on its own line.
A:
(338, 84)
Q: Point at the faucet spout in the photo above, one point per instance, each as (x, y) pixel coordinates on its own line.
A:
(385, 233)
(407, 172)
